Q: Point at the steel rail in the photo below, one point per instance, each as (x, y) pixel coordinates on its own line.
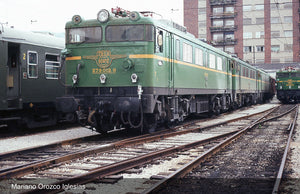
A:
(283, 161)
(121, 166)
(130, 163)
(16, 172)
(193, 164)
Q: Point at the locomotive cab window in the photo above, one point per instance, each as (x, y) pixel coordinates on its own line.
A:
(88, 35)
(32, 64)
(129, 33)
(52, 65)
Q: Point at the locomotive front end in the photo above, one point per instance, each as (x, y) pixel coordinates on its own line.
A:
(105, 67)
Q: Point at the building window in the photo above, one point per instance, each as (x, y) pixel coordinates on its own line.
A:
(275, 34)
(288, 19)
(229, 22)
(198, 56)
(229, 49)
(274, 6)
(187, 53)
(247, 8)
(247, 21)
(275, 48)
(52, 66)
(260, 20)
(260, 48)
(259, 7)
(288, 47)
(260, 34)
(202, 11)
(220, 48)
(217, 22)
(247, 35)
(32, 64)
(288, 5)
(217, 10)
(229, 35)
(247, 49)
(288, 33)
(202, 24)
(229, 9)
(275, 20)
(218, 37)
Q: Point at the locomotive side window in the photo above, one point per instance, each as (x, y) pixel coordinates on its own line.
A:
(52, 66)
(88, 35)
(187, 51)
(219, 63)
(159, 41)
(32, 64)
(198, 56)
(212, 61)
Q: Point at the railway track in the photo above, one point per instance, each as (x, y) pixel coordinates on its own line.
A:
(125, 155)
(250, 161)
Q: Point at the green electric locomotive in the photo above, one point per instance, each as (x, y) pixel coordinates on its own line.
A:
(124, 69)
(288, 85)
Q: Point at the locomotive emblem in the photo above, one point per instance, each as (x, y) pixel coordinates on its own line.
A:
(289, 82)
(104, 58)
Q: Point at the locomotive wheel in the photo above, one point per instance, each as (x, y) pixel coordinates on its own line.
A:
(150, 122)
(216, 108)
(102, 124)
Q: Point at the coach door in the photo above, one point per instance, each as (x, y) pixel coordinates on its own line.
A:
(13, 76)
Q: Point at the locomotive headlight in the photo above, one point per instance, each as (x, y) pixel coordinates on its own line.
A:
(134, 16)
(102, 79)
(103, 15)
(75, 79)
(134, 78)
(76, 19)
(160, 63)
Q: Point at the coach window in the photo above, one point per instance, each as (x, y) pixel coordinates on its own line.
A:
(52, 66)
(32, 64)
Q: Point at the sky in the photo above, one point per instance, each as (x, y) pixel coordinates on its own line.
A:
(51, 15)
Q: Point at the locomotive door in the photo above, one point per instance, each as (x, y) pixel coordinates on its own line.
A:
(170, 54)
(13, 76)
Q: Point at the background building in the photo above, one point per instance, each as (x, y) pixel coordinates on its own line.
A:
(263, 32)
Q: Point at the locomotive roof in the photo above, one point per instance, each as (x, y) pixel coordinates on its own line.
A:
(162, 23)
(33, 38)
